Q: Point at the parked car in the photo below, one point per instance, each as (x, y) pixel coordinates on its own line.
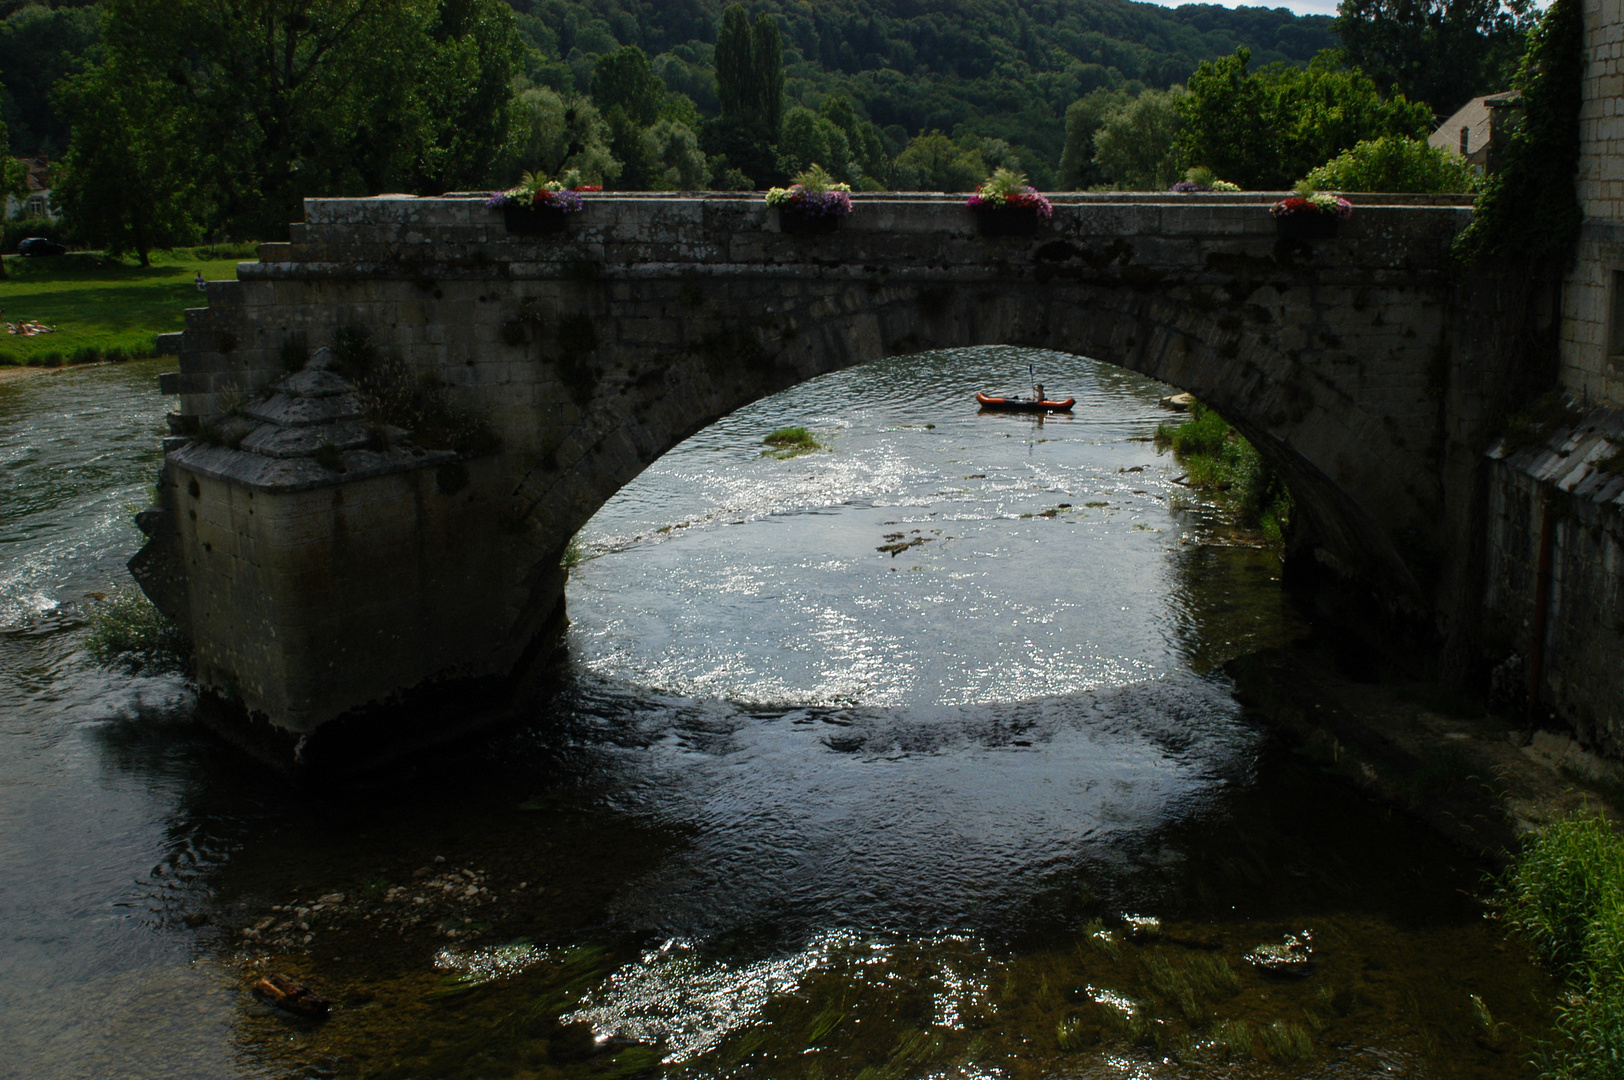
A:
(40, 245)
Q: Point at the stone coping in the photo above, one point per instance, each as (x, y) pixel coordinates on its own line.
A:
(884, 212)
(290, 474)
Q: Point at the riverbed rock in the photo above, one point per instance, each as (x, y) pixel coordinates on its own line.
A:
(1178, 402)
(1293, 956)
(296, 998)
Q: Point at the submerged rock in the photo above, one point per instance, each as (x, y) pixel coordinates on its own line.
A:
(1291, 957)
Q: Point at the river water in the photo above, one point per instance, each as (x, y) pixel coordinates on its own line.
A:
(909, 757)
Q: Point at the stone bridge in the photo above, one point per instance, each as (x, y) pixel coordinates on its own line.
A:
(327, 564)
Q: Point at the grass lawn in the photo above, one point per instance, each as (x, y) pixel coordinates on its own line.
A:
(98, 304)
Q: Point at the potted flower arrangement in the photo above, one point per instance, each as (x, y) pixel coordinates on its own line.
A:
(1006, 205)
(1201, 178)
(538, 205)
(1310, 215)
(813, 203)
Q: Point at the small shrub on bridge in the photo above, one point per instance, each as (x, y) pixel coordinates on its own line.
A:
(1395, 163)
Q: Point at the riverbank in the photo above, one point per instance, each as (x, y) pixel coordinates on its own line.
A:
(1469, 775)
(103, 308)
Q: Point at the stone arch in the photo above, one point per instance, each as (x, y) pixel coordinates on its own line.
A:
(1315, 434)
(321, 581)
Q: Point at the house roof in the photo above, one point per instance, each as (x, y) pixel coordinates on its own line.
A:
(1474, 116)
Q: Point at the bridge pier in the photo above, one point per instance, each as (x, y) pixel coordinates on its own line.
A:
(390, 427)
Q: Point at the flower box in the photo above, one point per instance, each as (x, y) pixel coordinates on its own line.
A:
(1308, 226)
(1007, 220)
(797, 222)
(534, 221)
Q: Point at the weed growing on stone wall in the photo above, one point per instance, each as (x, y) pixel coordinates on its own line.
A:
(353, 354)
(1537, 423)
(1220, 462)
(392, 394)
(127, 631)
(1565, 895)
(295, 354)
(329, 457)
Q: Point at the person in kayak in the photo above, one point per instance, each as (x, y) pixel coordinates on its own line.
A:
(1037, 392)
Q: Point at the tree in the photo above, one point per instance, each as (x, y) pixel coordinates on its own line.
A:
(1443, 52)
(39, 45)
(936, 163)
(1265, 130)
(1084, 118)
(1394, 163)
(272, 102)
(678, 162)
(1529, 209)
(624, 79)
(127, 183)
(870, 165)
(750, 85)
(1137, 146)
(553, 134)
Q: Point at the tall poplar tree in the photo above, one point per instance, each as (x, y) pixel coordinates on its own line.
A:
(750, 85)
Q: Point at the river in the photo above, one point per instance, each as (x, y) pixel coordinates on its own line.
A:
(909, 757)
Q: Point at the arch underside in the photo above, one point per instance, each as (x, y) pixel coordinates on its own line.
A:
(1331, 429)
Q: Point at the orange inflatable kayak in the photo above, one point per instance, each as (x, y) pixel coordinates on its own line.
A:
(987, 401)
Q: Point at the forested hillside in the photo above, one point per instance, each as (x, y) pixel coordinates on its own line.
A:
(1004, 69)
(168, 121)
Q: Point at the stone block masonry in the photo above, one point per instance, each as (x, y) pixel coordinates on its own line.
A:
(323, 569)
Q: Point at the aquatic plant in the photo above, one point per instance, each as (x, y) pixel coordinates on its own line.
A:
(1565, 895)
(128, 631)
(1565, 879)
(788, 442)
(1219, 460)
(1285, 1042)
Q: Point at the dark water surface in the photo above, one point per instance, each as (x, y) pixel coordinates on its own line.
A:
(792, 806)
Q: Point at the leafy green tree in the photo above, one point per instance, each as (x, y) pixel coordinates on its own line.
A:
(1394, 163)
(39, 45)
(127, 183)
(1084, 118)
(1529, 209)
(1137, 146)
(767, 55)
(750, 85)
(553, 134)
(272, 102)
(935, 162)
(809, 139)
(678, 162)
(624, 79)
(803, 141)
(1443, 52)
(870, 165)
(1263, 130)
